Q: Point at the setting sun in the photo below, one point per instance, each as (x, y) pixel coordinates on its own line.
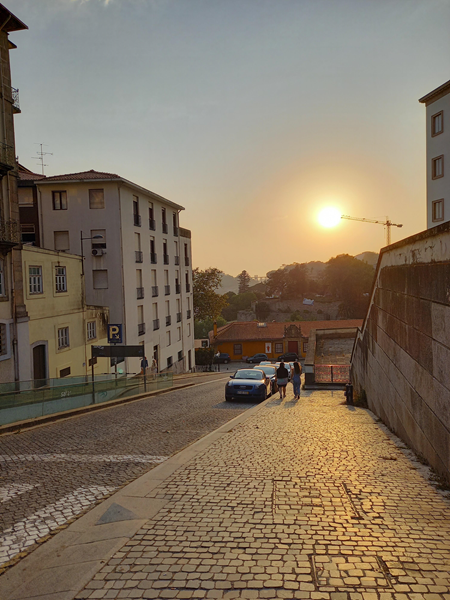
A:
(329, 217)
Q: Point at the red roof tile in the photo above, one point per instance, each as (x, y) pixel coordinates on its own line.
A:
(83, 176)
(27, 175)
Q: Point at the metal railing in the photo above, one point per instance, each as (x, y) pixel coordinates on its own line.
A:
(188, 314)
(166, 259)
(332, 373)
(175, 230)
(139, 256)
(154, 291)
(187, 261)
(15, 100)
(152, 224)
(168, 320)
(153, 258)
(178, 317)
(177, 260)
(141, 328)
(188, 287)
(165, 228)
(166, 290)
(177, 288)
(140, 293)
(155, 324)
(137, 220)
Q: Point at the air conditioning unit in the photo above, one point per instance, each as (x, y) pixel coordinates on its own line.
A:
(98, 252)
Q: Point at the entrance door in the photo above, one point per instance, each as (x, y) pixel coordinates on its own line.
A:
(293, 346)
(39, 366)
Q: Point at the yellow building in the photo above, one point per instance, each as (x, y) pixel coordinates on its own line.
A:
(61, 328)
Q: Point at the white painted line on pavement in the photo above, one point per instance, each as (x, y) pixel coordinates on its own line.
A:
(25, 533)
(138, 458)
(11, 490)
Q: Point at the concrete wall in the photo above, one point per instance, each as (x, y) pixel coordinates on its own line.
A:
(401, 357)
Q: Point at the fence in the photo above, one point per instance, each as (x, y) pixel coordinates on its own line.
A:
(332, 373)
(32, 399)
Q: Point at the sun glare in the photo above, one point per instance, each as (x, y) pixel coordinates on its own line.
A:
(329, 217)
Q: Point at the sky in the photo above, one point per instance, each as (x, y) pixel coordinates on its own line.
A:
(252, 114)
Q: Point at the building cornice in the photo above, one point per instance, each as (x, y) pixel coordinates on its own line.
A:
(436, 94)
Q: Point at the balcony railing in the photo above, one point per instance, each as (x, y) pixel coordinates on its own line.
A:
(168, 320)
(167, 290)
(185, 233)
(187, 261)
(188, 287)
(178, 317)
(9, 233)
(152, 224)
(155, 324)
(139, 257)
(153, 258)
(137, 220)
(165, 228)
(166, 259)
(176, 231)
(140, 293)
(177, 288)
(177, 260)
(188, 314)
(141, 328)
(154, 291)
(15, 100)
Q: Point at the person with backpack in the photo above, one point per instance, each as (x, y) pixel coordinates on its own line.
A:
(296, 377)
(282, 379)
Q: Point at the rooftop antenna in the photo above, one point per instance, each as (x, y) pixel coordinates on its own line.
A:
(41, 155)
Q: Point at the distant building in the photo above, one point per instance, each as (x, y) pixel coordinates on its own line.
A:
(437, 105)
(28, 206)
(138, 259)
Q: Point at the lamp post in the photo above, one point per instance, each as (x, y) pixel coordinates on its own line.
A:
(93, 237)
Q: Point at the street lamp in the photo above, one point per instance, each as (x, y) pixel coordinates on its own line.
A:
(94, 237)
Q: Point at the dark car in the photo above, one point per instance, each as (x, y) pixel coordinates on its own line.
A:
(222, 357)
(248, 383)
(271, 372)
(288, 357)
(257, 358)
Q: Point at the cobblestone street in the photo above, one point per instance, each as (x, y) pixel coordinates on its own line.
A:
(310, 499)
(51, 474)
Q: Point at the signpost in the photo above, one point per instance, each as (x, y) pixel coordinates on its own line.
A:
(116, 352)
(115, 337)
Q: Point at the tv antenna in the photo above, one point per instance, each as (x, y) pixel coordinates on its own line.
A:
(41, 155)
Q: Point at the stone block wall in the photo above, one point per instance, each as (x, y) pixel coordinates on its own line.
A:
(401, 358)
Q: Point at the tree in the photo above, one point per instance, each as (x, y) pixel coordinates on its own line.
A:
(207, 303)
(238, 302)
(202, 328)
(296, 282)
(244, 282)
(262, 310)
(276, 283)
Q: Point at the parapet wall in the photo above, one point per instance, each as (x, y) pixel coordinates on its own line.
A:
(401, 357)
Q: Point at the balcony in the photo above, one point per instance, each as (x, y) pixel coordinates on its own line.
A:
(9, 235)
(7, 159)
(155, 324)
(166, 290)
(185, 233)
(178, 317)
(152, 224)
(15, 101)
(141, 328)
(176, 231)
(165, 228)
(188, 314)
(140, 293)
(177, 260)
(138, 256)
(168, 320)
(177, 288)
(153, 258)
(188, 287)
(137, 220)
(154, 291)
(187, 261)
(166, 259)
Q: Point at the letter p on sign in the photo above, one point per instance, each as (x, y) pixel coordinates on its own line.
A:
(115, 334)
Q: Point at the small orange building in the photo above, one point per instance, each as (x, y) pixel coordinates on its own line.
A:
(245, 338)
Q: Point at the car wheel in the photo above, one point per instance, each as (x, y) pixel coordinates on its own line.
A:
(226, 361)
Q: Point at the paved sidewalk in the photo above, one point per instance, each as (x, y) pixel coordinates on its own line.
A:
(310, 499)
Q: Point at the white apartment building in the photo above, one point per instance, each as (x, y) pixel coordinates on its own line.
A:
(137, 259)
(437, 105)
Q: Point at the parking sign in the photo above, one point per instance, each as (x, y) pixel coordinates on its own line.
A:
(115, 334)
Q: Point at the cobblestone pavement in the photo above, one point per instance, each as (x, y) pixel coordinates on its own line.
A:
(310, 499)
(51, 474)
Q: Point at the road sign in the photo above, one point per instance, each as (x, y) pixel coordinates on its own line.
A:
(117, 351)
(114, 334)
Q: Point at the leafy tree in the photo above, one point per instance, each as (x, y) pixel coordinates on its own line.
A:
(276, 283)
(238, 302)
(262, 311)
(348, 279)
(204, 356)
(202, 328)
(207, 303)
(296, 282)
(244, 282)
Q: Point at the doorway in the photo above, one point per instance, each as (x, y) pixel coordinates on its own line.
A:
(40, 365)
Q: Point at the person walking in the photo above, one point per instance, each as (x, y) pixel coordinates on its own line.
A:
(282, 379)
(144, 365)
(296, 375)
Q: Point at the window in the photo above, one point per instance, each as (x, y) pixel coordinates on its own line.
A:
(60, 279)
(100, 279)
(2, 278)
(63, 338)
(437, 123)
(136, 215)
(168, 339)
(3, 339)
(437, 209)
(25, 196)
(59, 200)
(279, 348)
(180, 355)
(35, 280)
(64, 372)
(61, 240)
(96, 199)
(179, 333)
(27, 234)
(169, 361)
(437, 167)
(237, 350)
(189, 330)
(91, 330)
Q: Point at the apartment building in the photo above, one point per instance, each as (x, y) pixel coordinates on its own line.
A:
(13, 314)
(437, 105)
(137, 259)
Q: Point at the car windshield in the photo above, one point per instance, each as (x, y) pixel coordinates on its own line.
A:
(248, 374)
(268, 370)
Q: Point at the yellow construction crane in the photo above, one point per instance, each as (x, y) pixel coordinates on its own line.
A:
(388, 224)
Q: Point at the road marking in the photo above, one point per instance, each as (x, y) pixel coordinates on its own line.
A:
(11, 490)
(25, 533)
(138, 458)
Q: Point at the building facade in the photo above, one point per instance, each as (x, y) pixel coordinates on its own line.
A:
(437, 105)
(137, 259)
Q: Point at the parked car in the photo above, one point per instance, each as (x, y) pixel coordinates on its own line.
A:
(248, 383)
(288, 357)
(257, 358)
(223, 357)
(271, 372)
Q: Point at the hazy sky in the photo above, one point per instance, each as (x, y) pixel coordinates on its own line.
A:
(253, 114)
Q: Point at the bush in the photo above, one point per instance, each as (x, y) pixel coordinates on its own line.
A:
(204, 356)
